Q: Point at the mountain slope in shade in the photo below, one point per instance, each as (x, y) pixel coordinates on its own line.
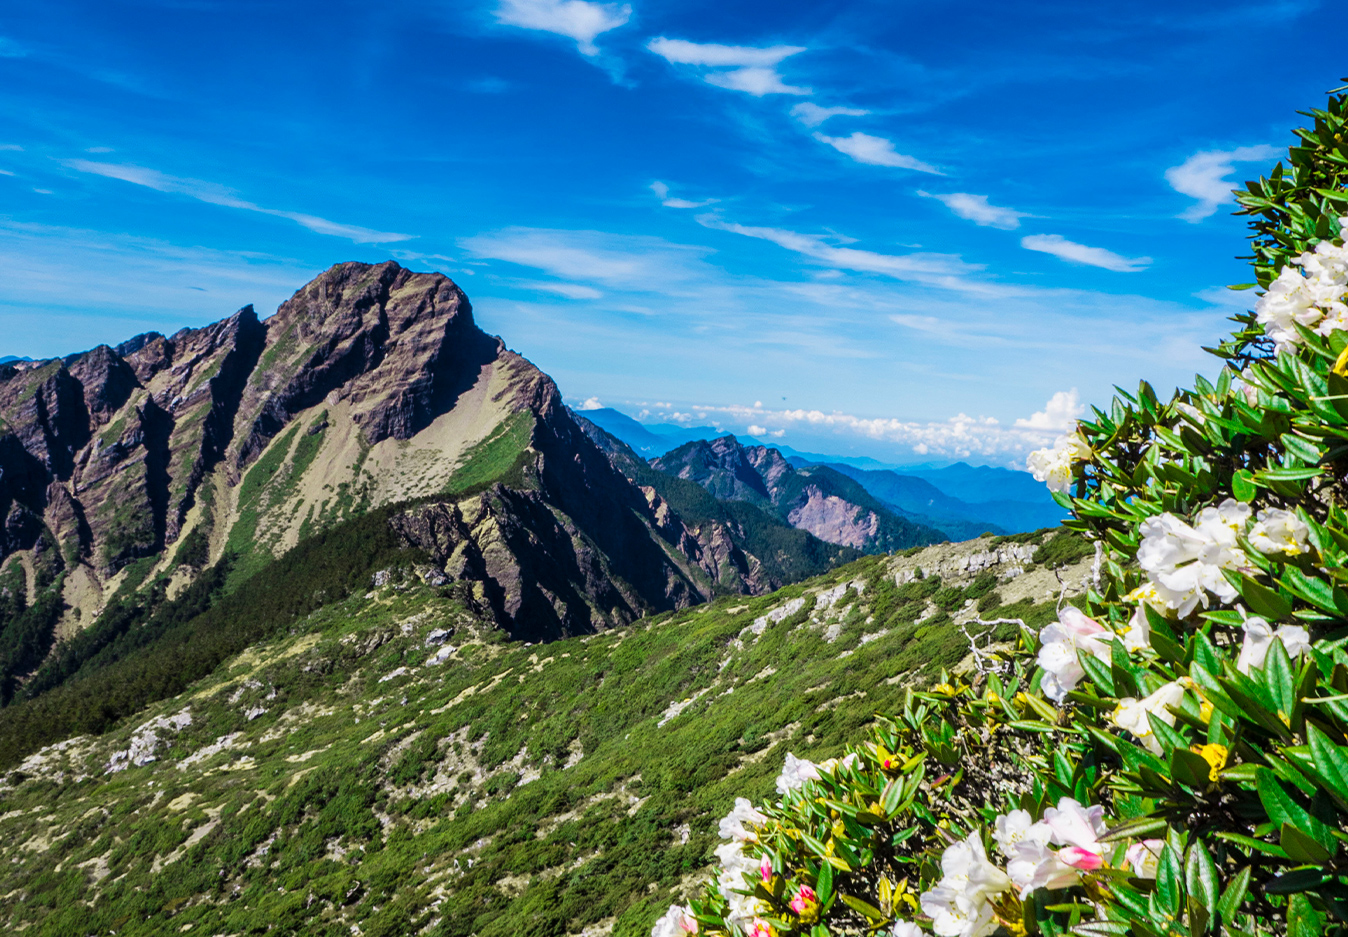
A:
(742, 547)
(815, 498)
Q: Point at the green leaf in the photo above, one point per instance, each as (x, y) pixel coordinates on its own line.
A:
(824, 883)
(1234, 896)
(1261, 599)
(1190, 768)
(1302, 918)
(862, 907)
(1200, 875)
(1278, 677)
(1249, 842)
(1331, 764)
(1169, 881)
(1135, 829)
(1300, 847)
(1282, 808)
(1319, 593)
(1243, 487)
(1297, 880)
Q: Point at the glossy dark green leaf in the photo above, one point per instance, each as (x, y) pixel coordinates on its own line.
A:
(1200, 876)
(1261, 599)
(861, 907)
(1243, 486)
(1190, 768)
(1170, 881)
(1139, 828)
(1300, 847)
(1297, 880)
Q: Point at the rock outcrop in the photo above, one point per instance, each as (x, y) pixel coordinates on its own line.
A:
(816, 499)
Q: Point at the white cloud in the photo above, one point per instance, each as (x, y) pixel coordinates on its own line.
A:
(1059, 415)
(576, 19)
(938, 269)
(977, 209)
(590, 403)
(662, 192)
(5, 172)
(1064, 249)
(1203, 176)
(633, 262)
(812, 115)
(11, 147)
(569, 290)
(875, 151)
(214, 194)
(959, 437)
(750, 69)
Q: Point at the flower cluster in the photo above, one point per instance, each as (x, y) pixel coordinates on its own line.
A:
(1196, 687)
(1308, 292)
(1053, 466)
(961, 903)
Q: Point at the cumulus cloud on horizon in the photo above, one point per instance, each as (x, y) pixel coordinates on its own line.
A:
(750, 69)
(580, 20)
(1203, 176)
(959, 437)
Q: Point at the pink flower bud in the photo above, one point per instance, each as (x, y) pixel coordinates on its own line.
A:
(765, 868)
(805, 900)
(1082, 859)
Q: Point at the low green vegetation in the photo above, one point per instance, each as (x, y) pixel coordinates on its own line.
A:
(332, 775)
(501, 457)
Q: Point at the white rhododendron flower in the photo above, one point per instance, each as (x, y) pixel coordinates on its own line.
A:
(1311, 296)
(1138, 635)
(732, 825)
(1053, 466)
(906, 929)
(1061, 640)
(795, 772)
(959, 905)
(730, 881)
(1185, 563)
(1131, 713)
(1033, 863)
(1259, 635)
(1279, 531)
(678, 921)
(1145, 857)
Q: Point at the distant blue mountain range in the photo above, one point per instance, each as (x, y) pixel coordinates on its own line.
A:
(960, 496)
(6, 359)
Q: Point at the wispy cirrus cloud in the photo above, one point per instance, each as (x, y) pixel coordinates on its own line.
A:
(1071, 251)
(977, 209)
(580, 20)
(750, 69)
(661, 191)
(1203, 176)
(946, 270)
(215, 194)
(637, 263)
(876, 151)
(812, 115)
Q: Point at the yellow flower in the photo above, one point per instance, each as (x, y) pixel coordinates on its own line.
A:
(944, 689)
(1205, 711)
(1214, 755)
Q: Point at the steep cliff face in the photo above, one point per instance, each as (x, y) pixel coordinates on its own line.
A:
(371, 387)
(816, 499)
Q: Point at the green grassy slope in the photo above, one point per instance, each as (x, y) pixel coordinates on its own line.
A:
(332, 776)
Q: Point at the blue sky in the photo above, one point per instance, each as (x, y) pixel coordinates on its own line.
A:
(912, 231)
